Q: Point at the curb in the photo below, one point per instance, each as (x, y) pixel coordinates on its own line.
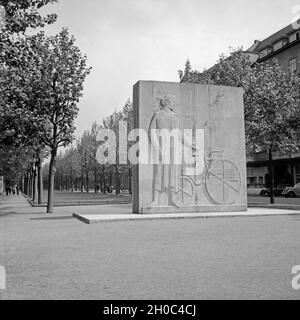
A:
(78, 204)
(275, 206)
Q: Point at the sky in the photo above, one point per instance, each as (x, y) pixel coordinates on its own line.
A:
(131, 40)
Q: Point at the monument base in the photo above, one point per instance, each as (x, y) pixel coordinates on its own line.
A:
(193, 209)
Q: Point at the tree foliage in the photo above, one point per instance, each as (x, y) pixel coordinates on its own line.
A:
(270, 99)
(23, 14)
(88, 170)
(271, 102)
(19, 136)
(41, 83)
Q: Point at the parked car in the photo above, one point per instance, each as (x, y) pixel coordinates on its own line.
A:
(261, 190)
(292, 192)
(277, 190)
(256, 189)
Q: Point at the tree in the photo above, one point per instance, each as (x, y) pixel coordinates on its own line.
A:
(273, 114)
(60, 71)
(85, 149)
(67, 170)
(94, 147)
(18, 130)
(81, 161)
(14, 163)
(19, 121)
(23, 14)
(112, 122)
(47, 76)
(271, 103)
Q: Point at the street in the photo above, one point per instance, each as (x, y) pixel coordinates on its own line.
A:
(278, 200)
(58, 257)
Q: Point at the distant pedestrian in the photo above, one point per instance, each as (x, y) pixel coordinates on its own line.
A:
(7, 191)
(17, 188)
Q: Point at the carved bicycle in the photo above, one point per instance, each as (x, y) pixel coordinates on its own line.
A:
(221, 182)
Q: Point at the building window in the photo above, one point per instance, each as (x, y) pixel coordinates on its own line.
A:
(278, 45)
(294, 36)
(293, 65)
(263, 53)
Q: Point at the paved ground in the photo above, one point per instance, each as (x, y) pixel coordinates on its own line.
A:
(59, 257)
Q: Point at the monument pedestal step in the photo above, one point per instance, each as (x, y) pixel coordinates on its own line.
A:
(193, 209)
(252, 212)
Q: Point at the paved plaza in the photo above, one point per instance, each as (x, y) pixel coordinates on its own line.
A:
(59, 257)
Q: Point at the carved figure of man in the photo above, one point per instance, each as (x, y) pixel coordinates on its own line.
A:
(166, 175)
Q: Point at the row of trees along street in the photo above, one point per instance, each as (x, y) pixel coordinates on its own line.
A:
(77, 168)
(272, 119)
(41, 82)
(271, 102)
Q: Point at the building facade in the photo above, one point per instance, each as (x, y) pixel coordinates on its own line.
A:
(284, 46)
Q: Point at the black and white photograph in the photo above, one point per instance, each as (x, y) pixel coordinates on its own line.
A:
(149, 154)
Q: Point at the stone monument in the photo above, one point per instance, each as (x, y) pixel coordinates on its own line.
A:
(194, 159)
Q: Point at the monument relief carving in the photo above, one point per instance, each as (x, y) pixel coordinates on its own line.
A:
(167, 153)
(196, 148)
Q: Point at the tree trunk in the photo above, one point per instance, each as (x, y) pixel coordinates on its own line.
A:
(101, 183)
(82, 182)
(33, 180)
(50, 203)
(130, 182)
(87, 181)
(95, 178)
(30, 183)
(34, 184)
(104, 177)
(117, 181)
(23, 184)
(72, 182)
(271, 177)
(40, 181)
(110, 180)
(26, 184)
